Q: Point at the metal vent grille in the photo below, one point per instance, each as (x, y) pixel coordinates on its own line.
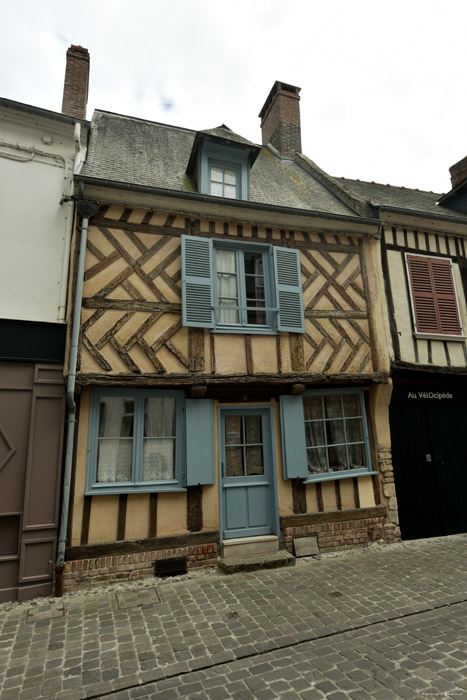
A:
(170, 567)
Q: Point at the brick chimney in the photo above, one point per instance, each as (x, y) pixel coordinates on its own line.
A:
(280, 119)
(458, 172)
(75, 89)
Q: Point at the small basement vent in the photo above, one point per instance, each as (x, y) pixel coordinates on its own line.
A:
(170, 567)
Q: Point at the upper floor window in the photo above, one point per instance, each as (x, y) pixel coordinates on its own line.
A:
(224, 181)
(433, 294)
(243, 287)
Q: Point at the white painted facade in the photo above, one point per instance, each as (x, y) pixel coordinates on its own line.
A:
(39, 153)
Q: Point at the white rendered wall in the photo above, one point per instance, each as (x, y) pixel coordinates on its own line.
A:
(36, 167)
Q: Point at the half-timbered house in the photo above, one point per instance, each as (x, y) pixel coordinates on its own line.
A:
(232, 367)
(423, 249)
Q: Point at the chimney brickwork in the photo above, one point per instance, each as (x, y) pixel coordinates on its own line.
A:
(458, 172)
(280, 119)
(75, 89)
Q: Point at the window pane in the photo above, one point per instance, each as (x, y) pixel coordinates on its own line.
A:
(217, 189)
(354, 430)
(313, 407)
(234, 461)
(217, 174)
(158, 460)
(233, 430)
(337, 458)
(253, 430)
(333, 406)
(159, 417)
(317, 463)
(256, 318)
(230, 177)
(253, 263)
(230, 191)
(116, 417)
(226, 261)
(225, 315)
(114, 460)
(254, 286)
(314, 433)
(357, 456)
(335, 432)
(351, 404)
(254, 461)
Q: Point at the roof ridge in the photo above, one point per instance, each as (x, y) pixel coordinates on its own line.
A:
(147, 121)
(382, 184)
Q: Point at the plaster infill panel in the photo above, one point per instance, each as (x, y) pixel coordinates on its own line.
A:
(80, 467)
(329, 495)
(311, 499)
(171, 514)
(137, 516)
(402, 308)
(264, 354)
(347, 494)
(230, 353)
(365, 492)
(103, 521)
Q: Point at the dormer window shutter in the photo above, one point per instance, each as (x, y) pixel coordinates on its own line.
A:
(197, 293)
(433, 295)
(289, 290)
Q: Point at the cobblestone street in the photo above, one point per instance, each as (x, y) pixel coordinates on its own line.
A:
(387, 622)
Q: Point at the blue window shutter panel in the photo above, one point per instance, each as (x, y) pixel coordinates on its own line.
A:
(197, 282)
(288, 279)
(199, 442)
(293, 437)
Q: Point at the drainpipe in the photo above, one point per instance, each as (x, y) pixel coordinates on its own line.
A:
(86, 209)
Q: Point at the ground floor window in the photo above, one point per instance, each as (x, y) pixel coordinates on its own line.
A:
(147, 440)
(325, 434)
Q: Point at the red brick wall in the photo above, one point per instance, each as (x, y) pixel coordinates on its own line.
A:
(75, 89)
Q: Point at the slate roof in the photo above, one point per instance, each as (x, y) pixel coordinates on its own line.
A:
(398, 197)
(140, 152)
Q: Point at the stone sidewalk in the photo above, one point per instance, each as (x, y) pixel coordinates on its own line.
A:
(97, 642)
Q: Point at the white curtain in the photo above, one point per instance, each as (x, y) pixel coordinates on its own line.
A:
(159, 439)
(115, 445)
(227, 285)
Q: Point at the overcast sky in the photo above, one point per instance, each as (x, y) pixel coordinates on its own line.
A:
(383, 84)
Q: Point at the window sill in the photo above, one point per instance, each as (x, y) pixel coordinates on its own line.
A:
(439, 336)
(245, 330)
(117, 489)
(312, 479)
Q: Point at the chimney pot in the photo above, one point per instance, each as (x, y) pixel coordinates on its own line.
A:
(75, 88)
(458, 172)
(280, 119)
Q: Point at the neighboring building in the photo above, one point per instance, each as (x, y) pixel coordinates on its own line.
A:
(425, 269)
(233, 369)
(40, 151)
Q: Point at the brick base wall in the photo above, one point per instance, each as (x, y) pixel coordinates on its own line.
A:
(107, 569)
(333, 537)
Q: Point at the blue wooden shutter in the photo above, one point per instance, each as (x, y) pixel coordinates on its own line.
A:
(199, 442)
(293, 437)
(197, 282)
(289, 290)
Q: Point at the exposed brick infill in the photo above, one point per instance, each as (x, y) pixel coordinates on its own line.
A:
(348, 534)
(101, 570)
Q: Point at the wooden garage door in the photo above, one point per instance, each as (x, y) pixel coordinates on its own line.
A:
(32, 409)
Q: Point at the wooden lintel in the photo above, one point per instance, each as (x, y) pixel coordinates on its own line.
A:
(197, 392)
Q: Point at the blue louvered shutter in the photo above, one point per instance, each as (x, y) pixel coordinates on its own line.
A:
(197, 282)
(289, 290)
(293, 437)
(199, 442)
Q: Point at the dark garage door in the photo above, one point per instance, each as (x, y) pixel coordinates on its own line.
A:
(429, 450)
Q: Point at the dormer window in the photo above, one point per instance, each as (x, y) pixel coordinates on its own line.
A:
(220, 163)
(224, 181)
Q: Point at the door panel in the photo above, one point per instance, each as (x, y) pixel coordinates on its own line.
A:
(248, 501)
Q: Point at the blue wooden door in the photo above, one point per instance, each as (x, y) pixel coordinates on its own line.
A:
(248, 494)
